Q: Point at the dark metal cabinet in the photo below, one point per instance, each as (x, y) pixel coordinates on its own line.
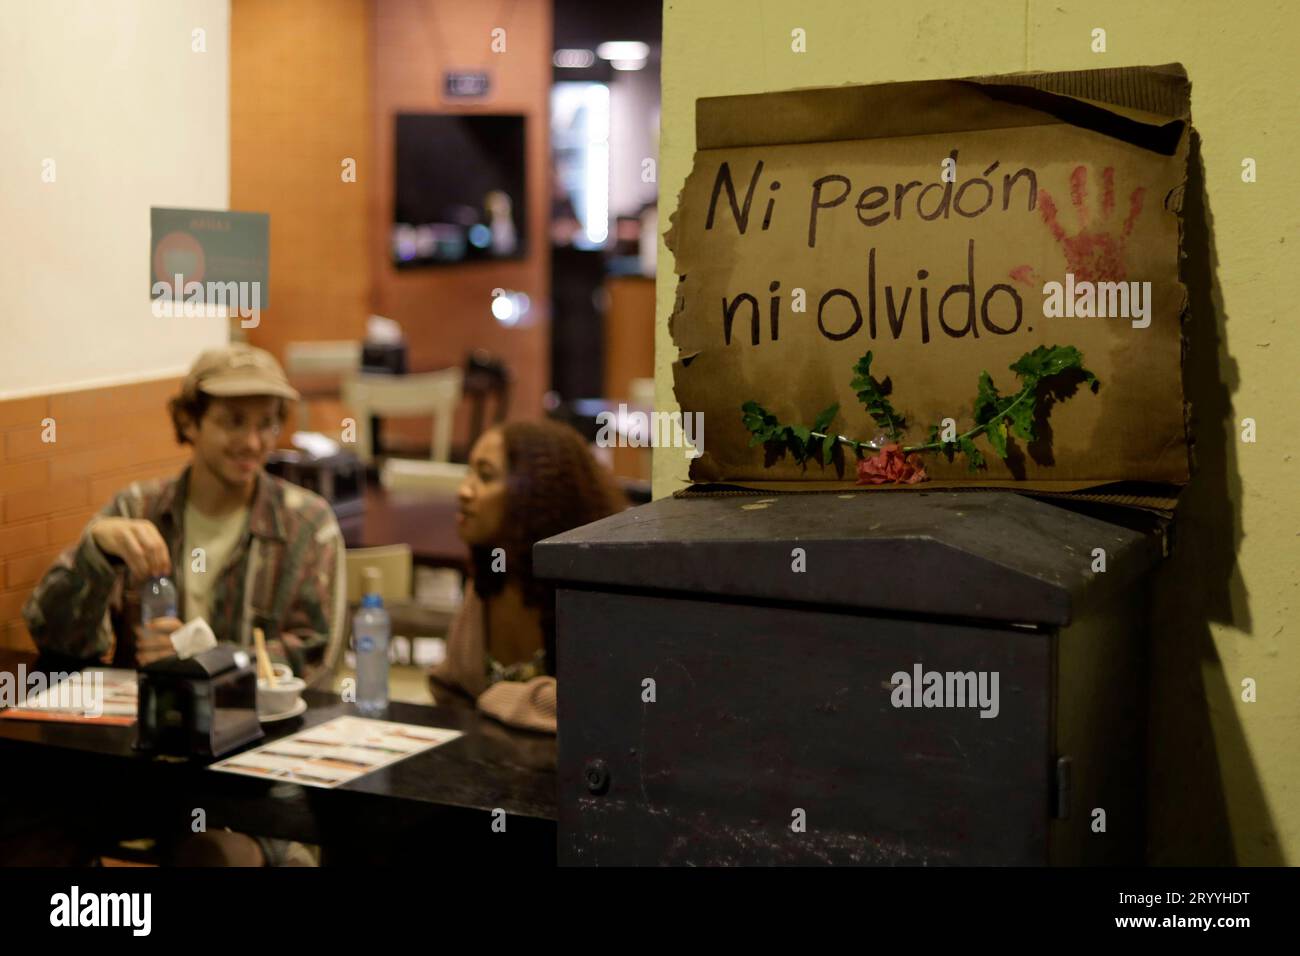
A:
(773, 735)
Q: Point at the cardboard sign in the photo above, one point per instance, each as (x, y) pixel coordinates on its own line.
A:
(211, 247)
(948, 227)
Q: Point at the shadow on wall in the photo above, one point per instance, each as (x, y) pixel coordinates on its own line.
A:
(1190, 773)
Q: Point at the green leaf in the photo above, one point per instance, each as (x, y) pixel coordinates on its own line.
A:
(766, 429)
(871, 394)
(762, 424)
(817, 448)
(996, 415)
(799, 437)
(1033, 368)
(1022, 420)
(1048, 360)
(974, 458)
(825, 417)
(997, 435)
(987, 401)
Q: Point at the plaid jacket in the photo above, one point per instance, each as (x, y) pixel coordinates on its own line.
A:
(285, 575)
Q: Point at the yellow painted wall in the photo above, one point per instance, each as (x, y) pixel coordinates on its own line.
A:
(1225, 774)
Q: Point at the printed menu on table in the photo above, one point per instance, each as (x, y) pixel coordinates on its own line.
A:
(96, 695)
(336, 752)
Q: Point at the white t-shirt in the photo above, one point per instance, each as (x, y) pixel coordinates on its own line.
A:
(218, 538)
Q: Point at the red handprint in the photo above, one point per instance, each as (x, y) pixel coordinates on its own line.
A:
(1094, 254)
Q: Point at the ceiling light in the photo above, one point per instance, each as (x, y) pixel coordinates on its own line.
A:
(573, 59)
(623, 50)
(509, 307)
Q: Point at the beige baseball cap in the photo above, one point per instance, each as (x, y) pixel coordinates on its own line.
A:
(238, 370)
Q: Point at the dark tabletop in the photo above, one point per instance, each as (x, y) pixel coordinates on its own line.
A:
(489, 768)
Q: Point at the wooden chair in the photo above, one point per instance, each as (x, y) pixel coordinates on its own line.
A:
(430, 393)
(342, 625)
(434, 478)
(394, 563)
(487, 379)
(320, 362)
(410, 619)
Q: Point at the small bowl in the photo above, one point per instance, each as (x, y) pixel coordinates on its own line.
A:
(281, 697)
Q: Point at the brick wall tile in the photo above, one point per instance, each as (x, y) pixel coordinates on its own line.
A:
(21, 443)
(15, 539)
(61, 496)
(14, 637)
(97, 462)
(23, 411)
(11, 604)
(81, 464)
(26, 570)
(66, 529)
(69, 436)
(85, 403)
(23, 476)
(155, 395)
(80, 435)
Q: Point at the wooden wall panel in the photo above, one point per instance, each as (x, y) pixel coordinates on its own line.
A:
(315, 81)
(629, 354)
(300, 83)
(445, 311)
(629, 333)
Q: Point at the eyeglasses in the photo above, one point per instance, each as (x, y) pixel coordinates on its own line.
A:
(267, 429)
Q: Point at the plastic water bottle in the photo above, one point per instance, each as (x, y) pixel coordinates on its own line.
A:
(370, 632)
(157, 599)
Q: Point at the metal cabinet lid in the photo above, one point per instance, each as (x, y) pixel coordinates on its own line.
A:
(981, 555)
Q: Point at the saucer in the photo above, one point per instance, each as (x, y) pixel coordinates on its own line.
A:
(297, 710)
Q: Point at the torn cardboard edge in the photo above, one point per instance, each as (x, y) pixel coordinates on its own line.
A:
(1148, 106)
(1145, 105)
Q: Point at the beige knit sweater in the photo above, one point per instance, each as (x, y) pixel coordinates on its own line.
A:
(527, 704)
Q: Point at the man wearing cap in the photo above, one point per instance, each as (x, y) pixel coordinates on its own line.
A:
(243, 548)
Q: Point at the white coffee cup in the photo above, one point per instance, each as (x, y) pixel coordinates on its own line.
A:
(283, 696)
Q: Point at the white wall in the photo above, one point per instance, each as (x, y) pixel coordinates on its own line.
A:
(112, 91)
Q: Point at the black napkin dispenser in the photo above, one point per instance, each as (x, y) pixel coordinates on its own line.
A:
(201, 706)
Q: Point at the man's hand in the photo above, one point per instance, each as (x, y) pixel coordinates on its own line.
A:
(153, 641)
(135, 541)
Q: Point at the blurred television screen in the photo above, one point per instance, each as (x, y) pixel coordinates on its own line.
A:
(458, 189)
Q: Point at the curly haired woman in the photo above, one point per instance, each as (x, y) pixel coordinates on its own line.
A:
(527, 481)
